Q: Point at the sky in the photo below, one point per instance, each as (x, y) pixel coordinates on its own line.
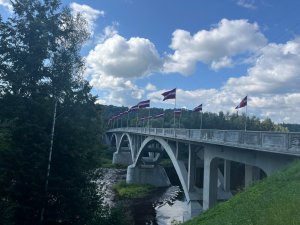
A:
(214, 52)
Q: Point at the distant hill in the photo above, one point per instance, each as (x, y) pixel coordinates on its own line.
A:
(292, 127)
(273, 201)
(192, 120)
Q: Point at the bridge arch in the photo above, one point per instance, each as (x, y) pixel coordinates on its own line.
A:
(178, 165)
(114, 140)
(130, 144)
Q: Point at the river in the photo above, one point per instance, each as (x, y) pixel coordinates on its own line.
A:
(160, 208)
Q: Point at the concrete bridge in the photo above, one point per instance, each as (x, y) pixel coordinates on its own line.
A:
(188, 149)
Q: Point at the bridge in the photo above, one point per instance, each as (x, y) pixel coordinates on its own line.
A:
(141, 149)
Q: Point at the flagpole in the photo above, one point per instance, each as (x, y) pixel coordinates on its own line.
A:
(246, 114)
(174, 112)
(201, 114)
(127, 117)
(149, 118)
(180, 118)
(137, 117)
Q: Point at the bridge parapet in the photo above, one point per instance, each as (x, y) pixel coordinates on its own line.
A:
(280, 142)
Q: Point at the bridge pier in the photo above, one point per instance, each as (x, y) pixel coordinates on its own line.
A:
(252, 174)
(210, 182)
(227, 170)
(194, 209)
(147, 174)
(122, 158)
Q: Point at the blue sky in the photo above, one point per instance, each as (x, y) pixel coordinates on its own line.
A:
(215, 52)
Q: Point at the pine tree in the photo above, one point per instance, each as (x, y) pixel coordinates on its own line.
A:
(41, 69)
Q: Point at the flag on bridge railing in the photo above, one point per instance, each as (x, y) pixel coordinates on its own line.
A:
(133, 108)
(242, 104)
(198, 108)
(144, 104)
(177, 112)
(169, 94)
(159, 115)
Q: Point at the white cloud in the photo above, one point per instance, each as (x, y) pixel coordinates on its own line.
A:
(272, 82)
(118, 57)
(108, 32)
(221, 63)
(224, 41)
(120, 91)
(276, 71)
(150, 87)
(90, 14)
(249, 4)
(6, 4)
(272, 85)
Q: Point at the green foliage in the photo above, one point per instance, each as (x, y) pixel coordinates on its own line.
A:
(132, 191)
(273, 201)
(192, 120)
(40, 65)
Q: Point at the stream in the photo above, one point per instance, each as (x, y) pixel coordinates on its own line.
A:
(160, 208)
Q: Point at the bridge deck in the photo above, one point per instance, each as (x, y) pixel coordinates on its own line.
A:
(277, 142)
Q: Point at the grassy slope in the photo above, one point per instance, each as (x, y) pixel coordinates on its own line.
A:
(273, 201)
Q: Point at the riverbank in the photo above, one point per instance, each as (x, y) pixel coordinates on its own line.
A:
(272, 201)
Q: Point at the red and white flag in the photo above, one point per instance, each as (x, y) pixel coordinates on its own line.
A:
(144, 104)
(242, 104)
(169, 94)
(198, 108)
(133, 108)
(159, 115)
(177, 112)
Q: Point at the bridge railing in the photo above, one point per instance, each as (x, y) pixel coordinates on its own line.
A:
(277, 141)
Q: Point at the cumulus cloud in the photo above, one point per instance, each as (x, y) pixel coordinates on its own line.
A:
(119, 57)
(221, 63)
(276, 71)
(108, 32)
(227, 39)
(272, 81)
(272, 85)
(90, 14)
(150, 87)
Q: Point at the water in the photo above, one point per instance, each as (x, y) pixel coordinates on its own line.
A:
(161, 208)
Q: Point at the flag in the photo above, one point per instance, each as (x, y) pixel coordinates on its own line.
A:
(144, 104)
(198, 108)
(133, 108)
(242, 104)
(159, 115)
(169, 94)
(177, 111)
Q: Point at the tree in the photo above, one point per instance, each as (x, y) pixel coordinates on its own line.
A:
(40, 65)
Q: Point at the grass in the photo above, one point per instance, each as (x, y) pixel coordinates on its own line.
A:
(132, 191)
(272, 201)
